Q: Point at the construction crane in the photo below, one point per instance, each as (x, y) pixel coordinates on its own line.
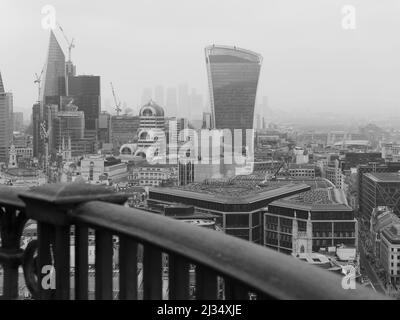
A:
(38, 81)
(44, 134)
(117, 103)
(71, 44)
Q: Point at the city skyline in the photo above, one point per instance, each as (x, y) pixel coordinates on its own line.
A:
(313, 65)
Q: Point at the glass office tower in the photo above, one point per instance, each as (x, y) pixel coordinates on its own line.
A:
(85, 92)
(233, 75)
(53, 84)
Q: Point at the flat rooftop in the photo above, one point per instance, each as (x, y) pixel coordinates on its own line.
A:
(234, 192)
(321, 199)
(384, 177)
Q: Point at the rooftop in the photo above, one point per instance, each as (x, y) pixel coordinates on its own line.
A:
(225, 52)
(234, 192)
(316, 199)
(18, 172)
(384, 177)
(392, 232)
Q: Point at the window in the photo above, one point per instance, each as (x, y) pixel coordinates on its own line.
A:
(237, 220)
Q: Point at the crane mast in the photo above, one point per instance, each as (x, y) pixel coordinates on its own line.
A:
(71, 44)
(38, 81)
(44, 134)
(117, 103)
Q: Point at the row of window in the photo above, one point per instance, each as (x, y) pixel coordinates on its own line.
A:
(335, 234)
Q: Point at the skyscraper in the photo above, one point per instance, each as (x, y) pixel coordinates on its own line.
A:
(196, 105)
(37, 142)
(147, 95)
(172, 102)
(233, 75)
(53, 84)
(159, 95)
(183, 101)
(85, 92)
(53, 87)
(6, 127)
(18, 121)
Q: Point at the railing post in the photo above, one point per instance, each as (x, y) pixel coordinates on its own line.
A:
(52, 207)
(12, 222)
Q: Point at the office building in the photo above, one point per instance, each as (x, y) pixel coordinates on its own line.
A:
(354, 159)
(104, 129)
(85, 92)
(159, 95)
(18, 121)
(196, 105)
(390, 152)
(124, 130)
(147, 95)
(233, 75)
(152, 175)
(6, 125)
(310, 221)
(183, 101)
(53, 87)
(381, 189)
(171, 107)
(365, 207)
(99, 169)
(69, 124)
(53, 83)
(151, 127)
(238, 206)
(37, 142)
(303, 171)
(206, 120)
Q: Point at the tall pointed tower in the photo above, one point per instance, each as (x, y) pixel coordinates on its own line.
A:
(53, 84)
(53, 88)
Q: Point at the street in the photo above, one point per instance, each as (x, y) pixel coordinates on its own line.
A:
(370, 271)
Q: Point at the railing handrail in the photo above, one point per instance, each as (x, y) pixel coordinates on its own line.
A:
(9, 197)
(271, 273)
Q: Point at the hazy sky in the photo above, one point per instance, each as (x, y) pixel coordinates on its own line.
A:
(310, 61)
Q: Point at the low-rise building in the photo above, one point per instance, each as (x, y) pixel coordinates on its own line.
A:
(99, 169)
(310, 221)
(304, 171)
(237, 205)
(153, 175)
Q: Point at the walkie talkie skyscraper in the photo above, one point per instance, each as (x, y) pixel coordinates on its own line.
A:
(233, 75)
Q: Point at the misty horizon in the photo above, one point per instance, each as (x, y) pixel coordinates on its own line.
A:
(311, 65)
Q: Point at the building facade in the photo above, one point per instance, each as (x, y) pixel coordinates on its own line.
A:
(238, 207)
(85, 91)
(6, 127)
(314, 220)
(380, 189)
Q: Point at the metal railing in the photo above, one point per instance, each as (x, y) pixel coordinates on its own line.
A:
(239, 268)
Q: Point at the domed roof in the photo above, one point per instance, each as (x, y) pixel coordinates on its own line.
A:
(151, 109)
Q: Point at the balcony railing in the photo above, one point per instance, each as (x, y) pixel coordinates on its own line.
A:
(225, 267)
